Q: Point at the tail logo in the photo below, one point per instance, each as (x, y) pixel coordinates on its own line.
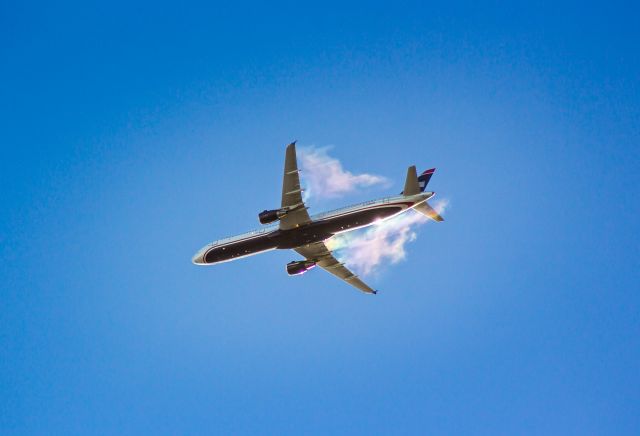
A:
(424, 178)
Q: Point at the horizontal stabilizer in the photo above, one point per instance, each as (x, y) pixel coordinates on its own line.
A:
(411, 186)
(428, 211)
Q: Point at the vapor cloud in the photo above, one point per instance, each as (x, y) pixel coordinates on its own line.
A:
(363, 251)
(325, 177)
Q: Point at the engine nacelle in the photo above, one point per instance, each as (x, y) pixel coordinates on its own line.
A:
(269, 216)
(299, 267)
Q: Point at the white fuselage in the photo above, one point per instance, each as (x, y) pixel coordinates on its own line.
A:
(322, 227)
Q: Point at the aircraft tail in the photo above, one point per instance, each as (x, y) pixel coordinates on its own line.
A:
(414, 184)
(428, 211)
(423, 179)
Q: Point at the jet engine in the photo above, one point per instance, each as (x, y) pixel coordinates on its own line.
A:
(269, 216)
(299, 267)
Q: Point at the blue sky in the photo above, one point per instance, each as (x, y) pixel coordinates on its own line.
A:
(133, 134)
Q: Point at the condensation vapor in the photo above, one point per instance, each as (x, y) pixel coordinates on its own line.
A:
(385, 242)
(364, 251)
(324, 176)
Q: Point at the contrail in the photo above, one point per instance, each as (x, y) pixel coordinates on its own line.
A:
(362, 250)
(365, 250)
(325, 177)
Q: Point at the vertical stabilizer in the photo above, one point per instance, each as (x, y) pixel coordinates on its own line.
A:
(421, 182)
(423, 179)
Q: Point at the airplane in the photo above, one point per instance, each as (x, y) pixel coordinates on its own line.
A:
(307, 235)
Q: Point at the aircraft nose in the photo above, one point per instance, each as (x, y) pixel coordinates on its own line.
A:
(198, 258)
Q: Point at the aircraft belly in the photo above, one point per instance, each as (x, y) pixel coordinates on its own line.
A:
(239, 249)
(323, 229)
(301, 236)
(315, 232)
(358, 219)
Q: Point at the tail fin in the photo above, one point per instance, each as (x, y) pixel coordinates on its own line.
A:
(424, 178)
(414, 184)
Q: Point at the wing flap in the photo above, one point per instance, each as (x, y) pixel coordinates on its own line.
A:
(319, 253)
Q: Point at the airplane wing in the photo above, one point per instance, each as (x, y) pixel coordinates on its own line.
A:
(319, 253)
(291, 193)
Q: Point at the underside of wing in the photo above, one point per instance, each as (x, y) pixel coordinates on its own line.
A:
(320, 254)
(292, 193)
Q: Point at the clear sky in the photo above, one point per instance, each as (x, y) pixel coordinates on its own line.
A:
(131, 134)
